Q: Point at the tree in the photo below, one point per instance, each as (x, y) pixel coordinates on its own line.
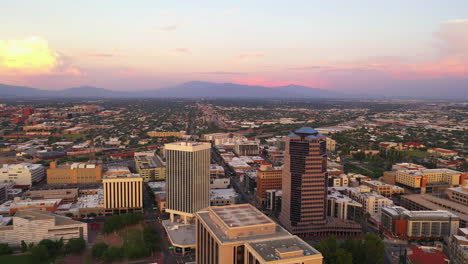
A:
(75, 245)
(24, 246)
(328, 248)
(99, 249)
(343, 257)
(5, 249)
(375, 249)
(112, 254)
(40, 253)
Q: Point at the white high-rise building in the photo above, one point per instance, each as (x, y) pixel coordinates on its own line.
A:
(188, 178)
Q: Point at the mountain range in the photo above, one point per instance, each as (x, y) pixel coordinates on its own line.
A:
(194, 89)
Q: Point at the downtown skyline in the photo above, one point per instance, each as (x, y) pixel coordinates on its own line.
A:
(367, 47)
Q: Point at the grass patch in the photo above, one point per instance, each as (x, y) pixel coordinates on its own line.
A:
(417, 154)
(18, 259)
(74, 136)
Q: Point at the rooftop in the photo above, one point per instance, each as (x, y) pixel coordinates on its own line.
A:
(180, 234)
(423, 254)
(240, 215)
(283, 248)
(223, 194)
(306, 130)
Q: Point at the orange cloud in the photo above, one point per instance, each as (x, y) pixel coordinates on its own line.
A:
(32, 56)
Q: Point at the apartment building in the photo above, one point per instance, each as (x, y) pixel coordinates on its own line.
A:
(32, 226)
(458, 194)
(419, 224)
(268, 178)
(384, 189)
(242, 234)
(427, 180)
(150, 166)
(23, 174)
(342, 207)
(372, 203)
(458, 247)
(74, 173)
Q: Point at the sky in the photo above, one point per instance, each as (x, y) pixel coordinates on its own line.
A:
(362, 46)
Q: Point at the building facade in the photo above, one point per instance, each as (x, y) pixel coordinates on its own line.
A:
(268, 178)
(75, 173)
(419, 224)
(247, 148)
(32, 226)
(150, 166)
(24, 174)
(304, 182)
(240, 234)
(188, 178)
(123, 193)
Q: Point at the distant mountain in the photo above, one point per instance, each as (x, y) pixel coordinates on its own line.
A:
(185, 90)
(233, 90)
(11, 91)
(89, 91)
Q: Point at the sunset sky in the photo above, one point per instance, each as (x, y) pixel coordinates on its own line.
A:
(351, 46)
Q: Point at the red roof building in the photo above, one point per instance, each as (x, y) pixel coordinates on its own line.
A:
(426, 255)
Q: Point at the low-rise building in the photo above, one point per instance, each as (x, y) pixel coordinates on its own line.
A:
(23, 174)
(384, 188)
(458, 247)
(67, 195)
(342, 207)
(442, 152)
(424, 202)
(74, 173)
(222, 197)
(458, 194)
(216, 171)
(424, 254)
(247, 148)
(419, 224)
(219, 183)
(150, 166)
(13, 206)
(32, 226)
(372, 203)
(166, 134)
(427, 180)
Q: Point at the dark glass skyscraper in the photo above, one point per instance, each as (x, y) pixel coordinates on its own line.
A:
(304, 185)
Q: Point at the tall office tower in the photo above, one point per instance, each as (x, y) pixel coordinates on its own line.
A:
(304, 186)
(188, 178)
(241, 234)
(123, 192)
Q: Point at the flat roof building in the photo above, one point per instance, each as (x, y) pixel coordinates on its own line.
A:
(419, 224)
(123, 193)
(188, 178)
(23, 174)
(242, 234)
(74, 173)
(150, 167)
(32, 226)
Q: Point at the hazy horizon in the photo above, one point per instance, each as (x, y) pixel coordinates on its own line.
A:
(391, 48)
